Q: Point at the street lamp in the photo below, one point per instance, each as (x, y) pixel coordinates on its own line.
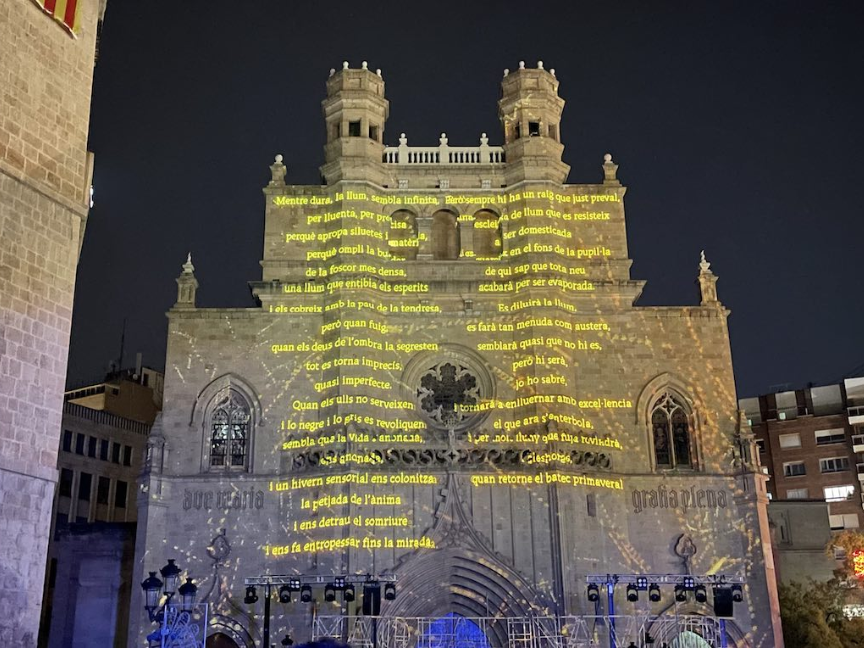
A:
(174, 620)
(155, 589)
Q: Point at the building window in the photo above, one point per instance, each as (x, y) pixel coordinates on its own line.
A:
(229, 432)
(85, 481)
(827, 437)
(373, 132)
(67, 440)
(671, 429)
(91, 446)
(533, 129)
(102, 488)
(79, 444)
(120, 495)
(845, 521)
(794, 469)
(103, 449)
(65, 482)
(115, 453)
(834, 464)
(797, 493)
(354, 129)
(760, 443)
(838, 493)
(553, 132)
(790, 440)
(127, 455)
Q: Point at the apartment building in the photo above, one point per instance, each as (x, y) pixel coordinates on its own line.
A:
(811, 444)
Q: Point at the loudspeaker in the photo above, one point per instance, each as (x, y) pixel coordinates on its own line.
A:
(723, 605)
(372, 599)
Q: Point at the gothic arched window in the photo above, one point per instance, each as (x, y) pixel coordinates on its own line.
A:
(671, 430)
(230, 421)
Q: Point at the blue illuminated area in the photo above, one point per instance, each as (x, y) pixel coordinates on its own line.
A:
(453, 630)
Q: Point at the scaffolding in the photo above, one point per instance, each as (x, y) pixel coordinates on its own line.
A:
(599, 631)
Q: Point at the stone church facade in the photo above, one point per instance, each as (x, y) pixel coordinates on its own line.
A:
(447, 382)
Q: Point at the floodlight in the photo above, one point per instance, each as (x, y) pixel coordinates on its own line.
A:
(348, 593)
(339, 582)
(305, 594)
(329, 593)
(700, 594)
(284, 594)
(593, 593)
(737, 594)
(654, 593)
(251, 596)
(642, 582)
(389, 591)
(294, 584)
(689, 583)
(680, 593)
(632, 593)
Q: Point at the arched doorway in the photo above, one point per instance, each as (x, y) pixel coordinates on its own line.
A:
(453, 631)
(220, 640)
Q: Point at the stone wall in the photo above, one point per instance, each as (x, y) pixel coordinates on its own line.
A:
(46, 76)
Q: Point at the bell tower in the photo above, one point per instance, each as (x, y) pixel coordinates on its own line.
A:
(530, 113)
(355, 111)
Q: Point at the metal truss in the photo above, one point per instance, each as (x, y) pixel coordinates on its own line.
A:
(292, 579)
(589, 631)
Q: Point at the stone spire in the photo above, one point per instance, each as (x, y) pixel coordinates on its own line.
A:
(610, 171)
(187, 285)
(277, 173)
(707, 282)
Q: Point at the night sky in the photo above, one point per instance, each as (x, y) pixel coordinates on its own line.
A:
(738, 129)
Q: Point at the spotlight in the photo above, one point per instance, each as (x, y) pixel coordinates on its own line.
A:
(284, 594)
(593, 593)
(294, 584)
(348, 593)
(251, 596)
(737, 594)
(642, 583)
(700, 594)
(389, 591)
(654, 593)
(632, 593)
(680, 593)
(339, 582)
(689, 583)
(305, 594)
(329, 594)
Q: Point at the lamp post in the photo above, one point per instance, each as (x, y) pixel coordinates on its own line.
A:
(176, 625)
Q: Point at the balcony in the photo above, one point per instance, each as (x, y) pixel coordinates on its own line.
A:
(856, 415)
(860, 467)
(444, 154)
(858, 443)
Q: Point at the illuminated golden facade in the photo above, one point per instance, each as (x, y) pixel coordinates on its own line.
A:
(446, 381)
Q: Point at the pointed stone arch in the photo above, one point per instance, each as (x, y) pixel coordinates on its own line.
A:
(463, 576)
(682, 391)
(229, 628)
(210, 396)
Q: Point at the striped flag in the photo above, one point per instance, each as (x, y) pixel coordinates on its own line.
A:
(63, 11)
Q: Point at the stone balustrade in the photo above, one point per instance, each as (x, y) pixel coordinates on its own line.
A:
(444, 153)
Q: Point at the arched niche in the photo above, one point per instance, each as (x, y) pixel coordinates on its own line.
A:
(487, 235)
(446, 242)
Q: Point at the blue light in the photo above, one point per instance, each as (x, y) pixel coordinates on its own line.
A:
(453, 631)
